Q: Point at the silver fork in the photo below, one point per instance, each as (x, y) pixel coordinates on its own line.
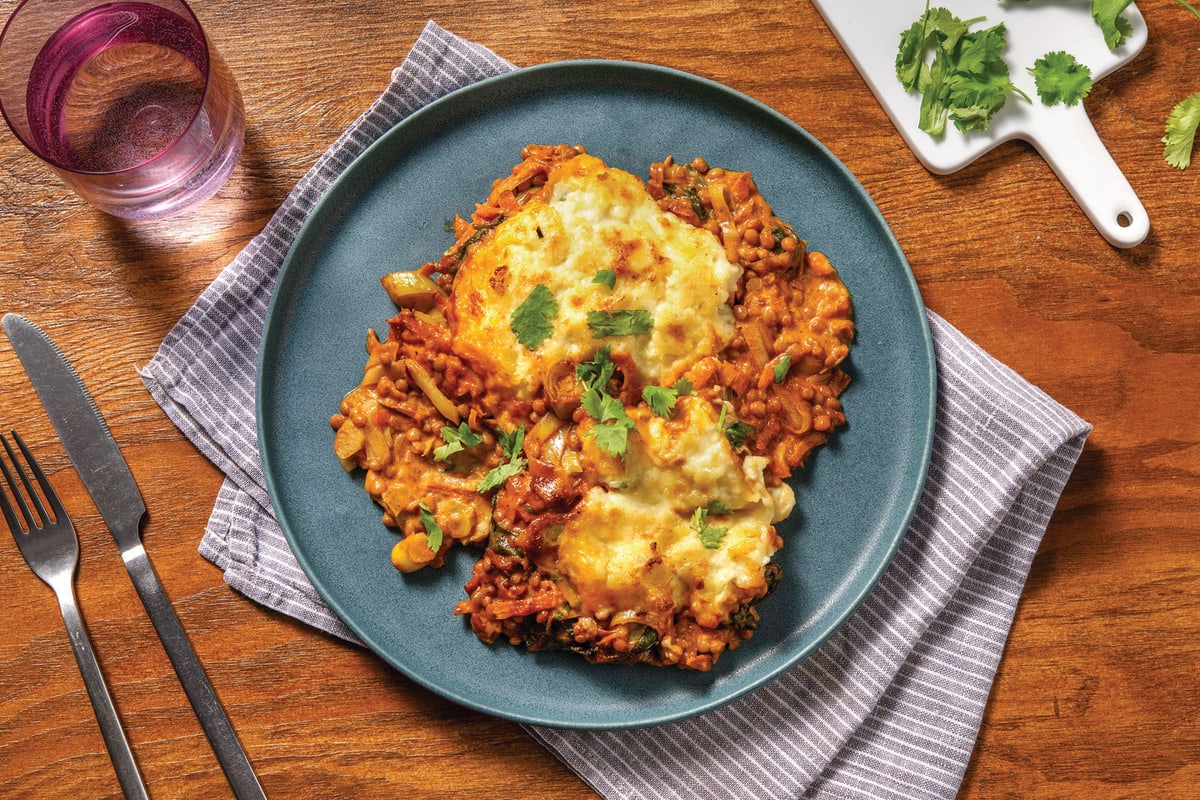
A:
(51, 548)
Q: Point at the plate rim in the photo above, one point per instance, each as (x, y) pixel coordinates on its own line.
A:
(927, 421)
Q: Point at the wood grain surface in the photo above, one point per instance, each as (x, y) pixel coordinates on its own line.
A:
(1097, 695)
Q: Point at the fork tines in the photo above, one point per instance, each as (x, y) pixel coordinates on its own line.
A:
(30, 522)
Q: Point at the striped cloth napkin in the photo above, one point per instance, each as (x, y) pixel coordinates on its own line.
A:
(889, 707)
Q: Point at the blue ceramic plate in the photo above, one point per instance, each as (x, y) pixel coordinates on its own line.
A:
(387, 212)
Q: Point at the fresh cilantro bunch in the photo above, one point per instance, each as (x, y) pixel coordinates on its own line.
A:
(966, 81)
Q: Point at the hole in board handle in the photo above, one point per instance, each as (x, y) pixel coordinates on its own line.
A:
(1124, 219)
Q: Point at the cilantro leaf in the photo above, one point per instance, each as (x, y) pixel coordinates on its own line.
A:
(612, 439)
(531, 320)
(456, 440)
(738, 433)
(937, 27)
(605, 408)
(1116, 28)
(710, 535)
(718, 507)
(1181, 132)
(627, 322)
(1060, 78)
(979, 51)
(498, 475)
(433, 531)
(662, 400)
(782, 366)
(612, 427)
(597, 372)
(607, 277)
(512, 442)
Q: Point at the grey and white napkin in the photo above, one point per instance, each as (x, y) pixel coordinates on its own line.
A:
(889, 707)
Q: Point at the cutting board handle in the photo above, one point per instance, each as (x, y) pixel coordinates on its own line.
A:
(1072, 148)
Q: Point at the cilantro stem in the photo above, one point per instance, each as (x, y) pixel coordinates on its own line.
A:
(1189, 7)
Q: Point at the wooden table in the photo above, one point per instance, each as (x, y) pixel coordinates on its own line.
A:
(1097, 693)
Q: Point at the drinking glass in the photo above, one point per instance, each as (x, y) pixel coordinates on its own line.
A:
(127, 101)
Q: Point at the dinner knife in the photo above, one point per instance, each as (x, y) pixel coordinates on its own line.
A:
(104, 473)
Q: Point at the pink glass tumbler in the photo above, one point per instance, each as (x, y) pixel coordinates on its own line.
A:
(127, 101)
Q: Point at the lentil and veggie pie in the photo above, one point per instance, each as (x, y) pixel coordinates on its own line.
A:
(604, 383)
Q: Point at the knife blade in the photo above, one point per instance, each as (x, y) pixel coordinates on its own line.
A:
(105, 474)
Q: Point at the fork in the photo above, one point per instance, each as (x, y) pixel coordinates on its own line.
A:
(51, 548)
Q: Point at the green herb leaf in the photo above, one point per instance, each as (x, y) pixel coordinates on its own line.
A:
(660, 399)
(604, 408)
(512, 442)
(710, 535)
(627, 322)
(1060, 78)
(1116, 28)
(612, 427)
(607, 277)
(1181, 132)
(782, 366)
(612, 439)
(456, 440)
(531, 321)
(433, 531)
(718, 508)
(498, 475)
(739, 433)
(597, 372)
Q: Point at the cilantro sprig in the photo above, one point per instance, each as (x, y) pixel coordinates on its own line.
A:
(661, 399)
(966, 81)
(1060, 78)
(710, 535)
(737, 432)
(511, 444)
(611, 431)
(456, 440)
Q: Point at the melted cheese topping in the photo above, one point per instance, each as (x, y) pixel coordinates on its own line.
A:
(634, 542)
(592, 218)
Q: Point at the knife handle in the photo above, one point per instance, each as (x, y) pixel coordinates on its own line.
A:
(200, 693)
(106, 714)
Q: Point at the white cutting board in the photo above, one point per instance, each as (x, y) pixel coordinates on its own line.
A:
(869, 31)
